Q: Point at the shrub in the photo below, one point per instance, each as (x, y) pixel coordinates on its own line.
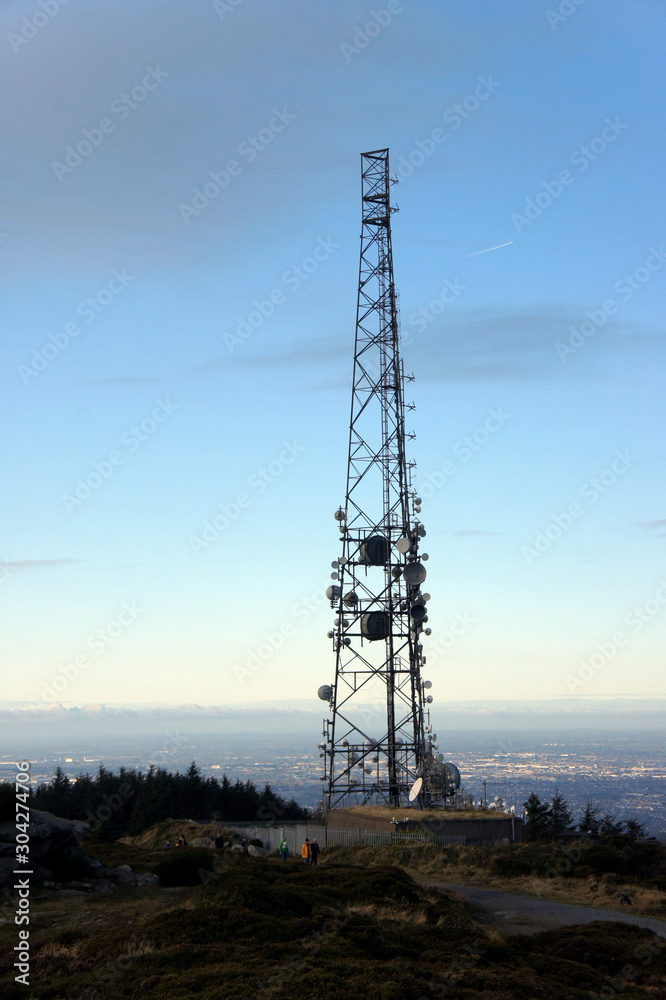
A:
(69, 863)
(184, 866)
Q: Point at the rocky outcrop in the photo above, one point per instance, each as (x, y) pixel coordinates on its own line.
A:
(52, 839)
(202, 842)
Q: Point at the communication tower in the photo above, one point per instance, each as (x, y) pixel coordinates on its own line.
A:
(378, 746)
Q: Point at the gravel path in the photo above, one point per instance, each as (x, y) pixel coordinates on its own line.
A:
(515, 914)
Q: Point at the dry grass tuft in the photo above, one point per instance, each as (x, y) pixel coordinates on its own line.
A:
(54, 950)
(404, 916)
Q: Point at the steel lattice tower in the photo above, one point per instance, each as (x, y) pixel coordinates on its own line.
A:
(374, 755)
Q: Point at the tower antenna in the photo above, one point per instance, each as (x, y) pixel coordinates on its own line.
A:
(378, 746)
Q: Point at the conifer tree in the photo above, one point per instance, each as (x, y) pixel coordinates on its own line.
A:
(537, 818)
(560, 815)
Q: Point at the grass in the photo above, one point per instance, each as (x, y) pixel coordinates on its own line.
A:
(170, 829)
(533, 870)
(357, 926)
(269, 930)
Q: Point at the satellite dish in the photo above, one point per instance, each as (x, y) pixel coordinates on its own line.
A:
(375, 625)
(373, 551)
(414, 574)
(403, 545)
(325, 693)
(418, 612)
(427, 684)
(415, 789)
(454, 774)
(333, 593)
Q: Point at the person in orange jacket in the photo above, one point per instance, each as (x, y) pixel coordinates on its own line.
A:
(305, 851)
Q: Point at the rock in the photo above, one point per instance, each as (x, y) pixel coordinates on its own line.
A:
(201, 842)
(85, 886)
(51, 838)
(71, 892)
(147, 878)
(257, 852)
(123, 873)
(101, 885)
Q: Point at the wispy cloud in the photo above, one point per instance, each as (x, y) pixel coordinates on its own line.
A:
(16, 564)
(498, 344)
(656, 529)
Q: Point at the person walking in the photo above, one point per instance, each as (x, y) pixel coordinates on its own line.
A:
(305, 851)
(314, 852)
(283, 849)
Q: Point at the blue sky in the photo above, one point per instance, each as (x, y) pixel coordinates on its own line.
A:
(507, 125)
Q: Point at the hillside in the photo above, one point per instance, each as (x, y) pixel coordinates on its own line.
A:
(589, 874)
(341, 931)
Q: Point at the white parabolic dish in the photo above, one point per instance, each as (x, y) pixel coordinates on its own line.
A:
(415, 789)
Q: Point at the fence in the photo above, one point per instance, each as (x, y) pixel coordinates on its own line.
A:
(295, 834)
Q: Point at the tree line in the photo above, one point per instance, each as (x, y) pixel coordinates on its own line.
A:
(554, 820)
(130, 801)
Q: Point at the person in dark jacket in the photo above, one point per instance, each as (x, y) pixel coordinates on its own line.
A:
(314, 852)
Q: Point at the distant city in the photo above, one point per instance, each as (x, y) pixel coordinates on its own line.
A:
(623, 773)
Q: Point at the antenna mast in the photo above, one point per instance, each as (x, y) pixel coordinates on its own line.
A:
(379, 743)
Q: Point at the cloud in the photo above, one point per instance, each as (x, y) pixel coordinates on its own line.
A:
(496, 343)
(16, 564)
(651, 525)
(517, 345)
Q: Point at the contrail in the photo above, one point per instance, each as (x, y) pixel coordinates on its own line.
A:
(477, 252)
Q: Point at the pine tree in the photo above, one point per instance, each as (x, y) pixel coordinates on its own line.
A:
(609, 826)
(560, 815)
(537, 818)
(590, 819)
(634, 829)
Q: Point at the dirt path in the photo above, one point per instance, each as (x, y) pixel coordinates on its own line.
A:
(515, 914)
